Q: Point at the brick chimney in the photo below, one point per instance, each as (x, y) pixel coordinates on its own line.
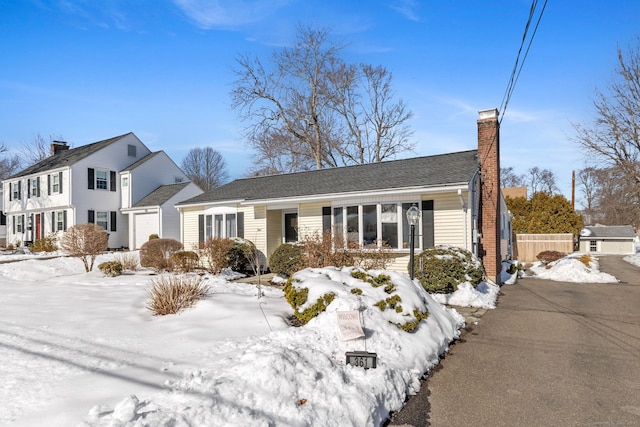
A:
(489, 216)
(58, 146)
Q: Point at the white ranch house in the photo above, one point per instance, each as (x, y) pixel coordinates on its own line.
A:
(457, 193)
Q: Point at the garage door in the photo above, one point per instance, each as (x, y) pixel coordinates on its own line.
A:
(145, 225)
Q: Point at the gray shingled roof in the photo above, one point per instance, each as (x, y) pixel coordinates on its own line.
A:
(161, 195)
(141, 161)
(67, 157)
(444, 169)
(611, 231)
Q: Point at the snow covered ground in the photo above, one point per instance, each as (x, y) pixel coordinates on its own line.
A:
(81, 349)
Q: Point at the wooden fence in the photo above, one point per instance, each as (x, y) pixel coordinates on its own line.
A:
(527, 246)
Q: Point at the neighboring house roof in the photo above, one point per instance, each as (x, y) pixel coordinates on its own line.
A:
(141, 161)
(514, 192)
(444, 169)
(611, 231)
(161, 195)
(67, 157)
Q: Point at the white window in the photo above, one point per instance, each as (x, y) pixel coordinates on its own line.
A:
(593, 245)
(373, 225)
(55, 183)
(131, 150)
(102, 219)
(177, 180)
(221, 226)
(125, 181)
(34, 187)
(15, 189)
(60, 220)
(19, 225)
(101, 180)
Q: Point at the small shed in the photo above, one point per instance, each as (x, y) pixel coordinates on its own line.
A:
(608, 239)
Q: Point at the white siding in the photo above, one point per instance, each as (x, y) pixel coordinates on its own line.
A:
(169, 227)
(449, 221)
(310, 219)
(156, 171)
(189, 226)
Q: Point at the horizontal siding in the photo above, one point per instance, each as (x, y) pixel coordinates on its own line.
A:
(189, 218)
(310, 219)
(449, 221)
(274, 226)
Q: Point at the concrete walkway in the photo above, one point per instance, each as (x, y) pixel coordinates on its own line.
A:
(551, 354)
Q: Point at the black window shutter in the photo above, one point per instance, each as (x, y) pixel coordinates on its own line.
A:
(427, 224)
(14, 224)
(11, 191)
(92, 216)
(60, 182)
(28, 189)
(201, 231)
(53, 221)
(326, 219)
(240, 224)
(64, 220)
(38, 181)
(90, 178)
(19, 190)
(49, 185)
(24, 226)
(112, 176)
(113, 220)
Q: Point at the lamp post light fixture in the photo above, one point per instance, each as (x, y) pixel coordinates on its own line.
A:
(413, 215)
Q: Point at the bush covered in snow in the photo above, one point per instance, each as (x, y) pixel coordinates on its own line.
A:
(391, 293)
(442, 268)
(240, 255)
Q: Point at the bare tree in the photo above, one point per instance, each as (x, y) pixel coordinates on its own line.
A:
(508, 178)
(313, 110)
(588, 186)
(205, 167)
(85, 241)
(540, 180)
(9, 163)
(612, 140)
(38, 148)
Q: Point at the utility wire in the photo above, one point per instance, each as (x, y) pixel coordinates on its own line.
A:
(517, 68)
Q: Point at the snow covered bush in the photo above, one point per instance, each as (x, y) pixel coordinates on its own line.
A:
(314, 290)
(156, 254)
(240, 255)
(286, 259)
(442, 268)
(110, 268)
(171, 293)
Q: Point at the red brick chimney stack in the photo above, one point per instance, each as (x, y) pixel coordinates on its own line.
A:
(489, 163)
(58, 146)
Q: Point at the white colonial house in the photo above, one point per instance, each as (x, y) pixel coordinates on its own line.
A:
(94, 183)
(458, 195)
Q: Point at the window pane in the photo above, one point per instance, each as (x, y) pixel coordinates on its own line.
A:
(353, 231)
(218, 226)
(101, 219)
(208, 230)
(231, 225)
(390, 225)
(291, 227)
(101, 180)
(369, 226)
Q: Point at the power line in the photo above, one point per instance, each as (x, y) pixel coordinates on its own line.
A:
(517, 68)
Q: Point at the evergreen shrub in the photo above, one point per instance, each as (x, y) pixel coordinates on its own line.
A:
(286, 259)
(442, 268)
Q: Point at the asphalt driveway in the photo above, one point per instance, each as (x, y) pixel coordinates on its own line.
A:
(551, 354)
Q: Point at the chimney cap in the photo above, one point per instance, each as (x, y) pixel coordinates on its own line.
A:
(59, 142)
(493, 113)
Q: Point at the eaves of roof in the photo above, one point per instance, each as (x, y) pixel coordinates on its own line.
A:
(418, 172)
(161, 195)
(67, 158)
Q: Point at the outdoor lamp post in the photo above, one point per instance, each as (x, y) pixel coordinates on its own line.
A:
(413, 214)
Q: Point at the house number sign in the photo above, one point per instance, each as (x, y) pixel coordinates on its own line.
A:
(362, 359)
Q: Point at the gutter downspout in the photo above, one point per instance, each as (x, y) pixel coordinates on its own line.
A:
(474, 212)
(464, 219)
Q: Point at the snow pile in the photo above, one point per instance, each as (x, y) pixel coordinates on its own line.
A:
(633, 259)
(484, 295)
(571, 269)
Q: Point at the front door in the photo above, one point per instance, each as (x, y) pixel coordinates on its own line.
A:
(290, 227)
(38, 226)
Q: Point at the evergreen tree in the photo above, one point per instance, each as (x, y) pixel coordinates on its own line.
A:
(544, 213)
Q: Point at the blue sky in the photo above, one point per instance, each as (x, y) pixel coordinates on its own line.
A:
(89, 70)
